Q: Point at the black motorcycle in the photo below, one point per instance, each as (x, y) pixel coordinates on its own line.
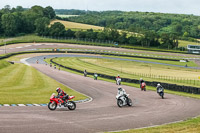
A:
(161, 92)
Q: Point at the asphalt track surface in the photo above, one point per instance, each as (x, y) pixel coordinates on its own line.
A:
(32, 46)
(99, 115)
(102, 113)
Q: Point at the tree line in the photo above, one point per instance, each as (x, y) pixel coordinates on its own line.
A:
(20, 21)
(185, 26)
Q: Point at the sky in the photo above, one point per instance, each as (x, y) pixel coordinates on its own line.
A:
(163, 6)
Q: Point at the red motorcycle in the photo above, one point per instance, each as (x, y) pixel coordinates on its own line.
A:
(54, 102)
(143, 86)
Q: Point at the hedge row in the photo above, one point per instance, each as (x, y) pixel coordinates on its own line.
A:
(173, 87)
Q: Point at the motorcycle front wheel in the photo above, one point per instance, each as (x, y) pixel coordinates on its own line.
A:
(72, 105)
(162, 95)
(52, 105)
(129, 102)
(120, 103)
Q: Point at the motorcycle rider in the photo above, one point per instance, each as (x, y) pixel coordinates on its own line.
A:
(118, 77)
(95, 76)
(62, 95)
(141, 81)
(158, 87)
(85, 73)
(121, 92)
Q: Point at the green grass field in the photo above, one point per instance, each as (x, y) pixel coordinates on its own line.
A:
(80, 26)
(189, 126)
(133, 70)
(190, 63)
(185, 43)
(24, 84)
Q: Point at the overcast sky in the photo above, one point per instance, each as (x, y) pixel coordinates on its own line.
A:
(164, 6)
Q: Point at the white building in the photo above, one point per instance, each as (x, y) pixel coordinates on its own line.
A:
(194, 49)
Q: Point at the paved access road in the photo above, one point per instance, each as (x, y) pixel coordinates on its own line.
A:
(101, 114)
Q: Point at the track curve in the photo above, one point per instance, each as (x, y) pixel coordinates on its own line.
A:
(40, 59)
(101, 114)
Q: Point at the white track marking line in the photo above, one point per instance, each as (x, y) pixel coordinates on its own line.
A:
(25, 62)
(19, 47)
(21, 105)
(27, 45)
(36, 105)
(6, 105)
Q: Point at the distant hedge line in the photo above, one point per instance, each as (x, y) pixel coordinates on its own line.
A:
(173, 87)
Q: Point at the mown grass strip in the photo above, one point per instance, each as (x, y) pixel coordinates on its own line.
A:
(23, 84)
(188, 126)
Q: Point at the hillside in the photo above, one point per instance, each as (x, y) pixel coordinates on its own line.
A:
(74, 25)
(183, 25)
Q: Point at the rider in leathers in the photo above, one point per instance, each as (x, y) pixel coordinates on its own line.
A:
(141, 81)
(158, 87)
(121, 92)
(117, 78)
(62, 95)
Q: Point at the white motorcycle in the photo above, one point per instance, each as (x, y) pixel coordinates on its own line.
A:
(123, 100)
(118, 81)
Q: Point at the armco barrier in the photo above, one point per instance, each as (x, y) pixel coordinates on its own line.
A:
(173, 87)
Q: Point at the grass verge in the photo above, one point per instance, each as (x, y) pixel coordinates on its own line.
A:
(24, 84)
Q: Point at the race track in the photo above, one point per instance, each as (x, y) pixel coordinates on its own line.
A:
(99, 115)
(102, 113)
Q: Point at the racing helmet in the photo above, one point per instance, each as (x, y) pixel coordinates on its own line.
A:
(58, 90)
(120, 88)
(158, 84)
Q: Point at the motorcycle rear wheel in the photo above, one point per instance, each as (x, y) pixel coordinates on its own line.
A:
(120, 103)
(72, 105)
(52, 105)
